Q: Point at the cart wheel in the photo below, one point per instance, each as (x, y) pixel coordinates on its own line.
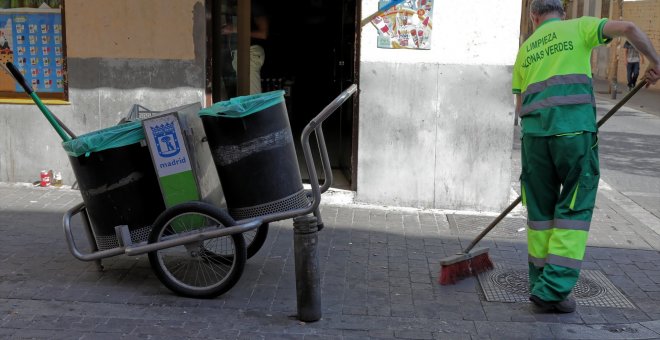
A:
(203, 269)
(255, 239)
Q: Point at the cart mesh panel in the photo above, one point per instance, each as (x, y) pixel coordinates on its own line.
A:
(110, 241)
(296, 201)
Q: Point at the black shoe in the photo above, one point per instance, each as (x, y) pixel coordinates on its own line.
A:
(568, 305)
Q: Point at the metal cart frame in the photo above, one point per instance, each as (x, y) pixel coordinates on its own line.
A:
(230, 227)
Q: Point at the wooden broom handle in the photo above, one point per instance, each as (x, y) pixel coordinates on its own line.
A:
(493, 224)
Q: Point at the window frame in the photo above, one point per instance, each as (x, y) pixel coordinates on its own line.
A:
(20, 97)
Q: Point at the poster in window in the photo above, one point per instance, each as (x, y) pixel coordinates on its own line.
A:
(407, 25)
(31, 38)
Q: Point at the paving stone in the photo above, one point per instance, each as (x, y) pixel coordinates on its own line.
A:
(48, 334)
(8, 333)
(379, 280)
(111, 336)
(118, 325)
(590, 315)
(381, 334)
(653, 325)
(163, 329)
(613, 331)
(413, 334)
(614, 316)
(512, 330)
(16, 321)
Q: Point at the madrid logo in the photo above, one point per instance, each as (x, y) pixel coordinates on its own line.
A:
(166, 139)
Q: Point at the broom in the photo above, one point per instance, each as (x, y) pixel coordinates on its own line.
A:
(381, 10)
(55, 122)
(473, 261)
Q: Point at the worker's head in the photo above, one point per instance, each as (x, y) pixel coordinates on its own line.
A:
(540, 10)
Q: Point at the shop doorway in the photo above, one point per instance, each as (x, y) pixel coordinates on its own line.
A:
(313, 57)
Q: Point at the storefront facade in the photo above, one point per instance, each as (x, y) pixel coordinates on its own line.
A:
(430, 128)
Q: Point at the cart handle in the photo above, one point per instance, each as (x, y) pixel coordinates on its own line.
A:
(96, 255)
(315, 125)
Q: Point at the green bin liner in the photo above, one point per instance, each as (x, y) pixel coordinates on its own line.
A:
(239, 107)
(109, 138)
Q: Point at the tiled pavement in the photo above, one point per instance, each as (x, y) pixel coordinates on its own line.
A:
(379, 268)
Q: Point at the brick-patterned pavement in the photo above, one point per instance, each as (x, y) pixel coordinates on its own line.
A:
(379, 268)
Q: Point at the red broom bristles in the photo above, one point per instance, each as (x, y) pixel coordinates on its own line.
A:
(453, 272)
(482, 263)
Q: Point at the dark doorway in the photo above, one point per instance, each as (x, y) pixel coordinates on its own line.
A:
(311, 54)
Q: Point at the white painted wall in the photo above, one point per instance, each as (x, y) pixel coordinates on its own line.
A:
(436, 126)
(476, 32)
(29, 144)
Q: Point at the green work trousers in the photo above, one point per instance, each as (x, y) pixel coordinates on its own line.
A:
(559, 181)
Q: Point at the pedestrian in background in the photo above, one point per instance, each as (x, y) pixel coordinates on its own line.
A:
(552, 81)
(259, 27)
(633, 60)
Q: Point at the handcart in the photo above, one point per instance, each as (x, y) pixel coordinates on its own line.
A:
(196, 248)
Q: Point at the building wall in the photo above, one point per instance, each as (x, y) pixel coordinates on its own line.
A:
(119, 53)
(644, 14)
(436, 126)
(596, 8)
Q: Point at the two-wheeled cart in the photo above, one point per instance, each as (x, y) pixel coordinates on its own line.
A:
(138, 200)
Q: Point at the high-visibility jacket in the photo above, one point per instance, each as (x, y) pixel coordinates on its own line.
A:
(553, 74)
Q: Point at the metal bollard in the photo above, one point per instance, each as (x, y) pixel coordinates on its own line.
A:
(308, 277)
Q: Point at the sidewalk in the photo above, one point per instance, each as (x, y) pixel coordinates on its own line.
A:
(647, 100)
(379, 280)
(380, 269)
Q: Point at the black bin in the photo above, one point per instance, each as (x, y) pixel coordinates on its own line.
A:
(117, 182)
(253, 150)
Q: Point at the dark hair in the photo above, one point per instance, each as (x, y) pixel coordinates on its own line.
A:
(541, 7)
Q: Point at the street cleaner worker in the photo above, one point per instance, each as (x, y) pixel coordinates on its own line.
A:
(552, 83)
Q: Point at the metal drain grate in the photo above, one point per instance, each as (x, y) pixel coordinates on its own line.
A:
(505, 284)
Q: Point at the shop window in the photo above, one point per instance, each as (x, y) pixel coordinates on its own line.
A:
(32, 38)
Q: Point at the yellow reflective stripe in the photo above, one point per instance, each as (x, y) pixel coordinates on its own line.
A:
(569, 134)
(568, 243)
(537, 242)
(524, 196)
(572, 205)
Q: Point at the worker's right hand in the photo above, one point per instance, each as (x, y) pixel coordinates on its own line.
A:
(652, 74)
